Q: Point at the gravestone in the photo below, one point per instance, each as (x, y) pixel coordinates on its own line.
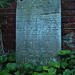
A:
(38, 31)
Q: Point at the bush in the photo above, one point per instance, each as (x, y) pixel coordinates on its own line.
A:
(65, 67)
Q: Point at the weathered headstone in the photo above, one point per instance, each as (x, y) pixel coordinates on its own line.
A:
(38, 31)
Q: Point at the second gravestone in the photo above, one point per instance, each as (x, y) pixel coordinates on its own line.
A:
(38, 31)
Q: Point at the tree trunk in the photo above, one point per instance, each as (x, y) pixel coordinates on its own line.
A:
(1, 43)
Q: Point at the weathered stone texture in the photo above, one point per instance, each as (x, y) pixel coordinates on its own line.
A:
(38, 30)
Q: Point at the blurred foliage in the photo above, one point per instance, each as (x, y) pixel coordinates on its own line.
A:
(4, 3)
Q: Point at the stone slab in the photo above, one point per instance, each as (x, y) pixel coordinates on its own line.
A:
(38, 31)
